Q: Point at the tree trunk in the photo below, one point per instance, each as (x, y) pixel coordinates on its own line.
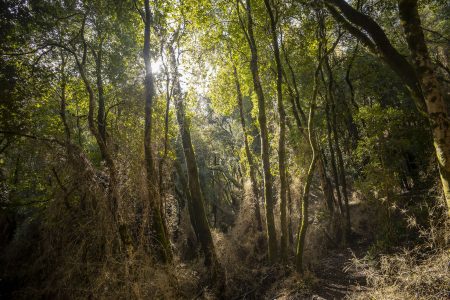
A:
(268, 190)
(300, 118)
(187, 193)
(166, 137)
(305, 197)
(377, 42)
(289, 197)
(163, 244)
(248, 153)
(340, 170)
(333, 157)
(325, 182)
(282, 127)
(113, 192)
(420, 77)
(101, 117)
(197, 213)
(435, 98)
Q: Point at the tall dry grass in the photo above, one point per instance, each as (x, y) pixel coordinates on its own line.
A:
(420, 272)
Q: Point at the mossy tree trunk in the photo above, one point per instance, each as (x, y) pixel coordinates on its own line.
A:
(436, 99)
(162, 240)
(303, 226)
(248, 153)
(197, 210)
(262, 119)
(273, 16)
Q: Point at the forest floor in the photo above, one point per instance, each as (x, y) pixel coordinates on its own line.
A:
(337, 278)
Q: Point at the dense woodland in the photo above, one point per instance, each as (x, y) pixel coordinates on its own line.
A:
(224, 149)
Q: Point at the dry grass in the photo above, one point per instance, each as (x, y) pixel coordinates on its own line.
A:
(243, 254)
(75, 252)
(72, 254)
(405, 276)
(419, 273)
(241, 251)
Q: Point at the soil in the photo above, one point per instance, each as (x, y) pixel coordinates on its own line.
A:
(337, 278)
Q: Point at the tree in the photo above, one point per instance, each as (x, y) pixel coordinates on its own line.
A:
(335, 150)
(198, 213)
(248, 153)
(268, 181)
(162, 239)
(419, 77)
(436, 99)
(273, 16)
(303, 226)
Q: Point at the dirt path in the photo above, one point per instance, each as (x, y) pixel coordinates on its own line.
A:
(337, 279)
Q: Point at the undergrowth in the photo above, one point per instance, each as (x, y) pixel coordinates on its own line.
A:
(419, 272)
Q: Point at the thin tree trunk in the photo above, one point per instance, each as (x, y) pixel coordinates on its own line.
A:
(339, 172)
(101, 117)
(268, 190)
(113, 193)
(305, 197)
(162, 182)
(351, 126)
(289, 197)
(325, 182)
(166, 137)
(300, 118)
(273, 15)
(333, 157)
(248, 153)
(63, 104)
(340, 160)
(163, 244)
(119, 228)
